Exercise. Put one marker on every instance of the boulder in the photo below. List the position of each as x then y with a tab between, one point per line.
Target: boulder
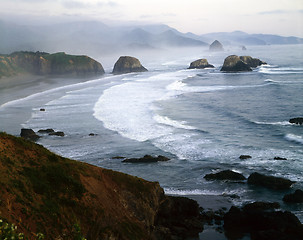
262	222
225	175
276	183
181	216
296	197
126	64
280	158
233	63
49	130
60	134
243	157
252	62
298	120
29	134
147	159
216	46
200	64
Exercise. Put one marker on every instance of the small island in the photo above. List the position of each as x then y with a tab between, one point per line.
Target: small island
127	64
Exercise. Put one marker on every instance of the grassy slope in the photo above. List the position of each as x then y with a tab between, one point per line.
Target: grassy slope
43	192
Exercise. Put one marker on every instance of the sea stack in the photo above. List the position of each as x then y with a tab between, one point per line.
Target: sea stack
200	64
127	64
216	46
234	63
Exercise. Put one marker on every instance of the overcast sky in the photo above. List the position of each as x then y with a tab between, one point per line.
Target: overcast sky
283	17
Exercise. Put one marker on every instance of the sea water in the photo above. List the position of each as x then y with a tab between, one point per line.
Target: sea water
203	119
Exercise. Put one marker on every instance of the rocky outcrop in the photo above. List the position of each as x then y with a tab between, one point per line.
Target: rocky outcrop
216	46
59	134
46	131
126	64
147	159
44	192
243	157
225	175
296	197
276	183
261	221
200	64
252	62
234	63
298	120
29	134
41	63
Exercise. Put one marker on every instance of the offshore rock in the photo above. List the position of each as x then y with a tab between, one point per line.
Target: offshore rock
225	175
276	183
216	46
298	120
29	134
49	130
127	64
147	159
60	134
234	63
296	197
200	64
252	62
243	157
262	222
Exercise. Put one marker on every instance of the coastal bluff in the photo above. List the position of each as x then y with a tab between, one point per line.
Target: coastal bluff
42	63
42	192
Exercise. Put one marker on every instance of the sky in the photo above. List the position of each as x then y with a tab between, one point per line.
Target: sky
282	17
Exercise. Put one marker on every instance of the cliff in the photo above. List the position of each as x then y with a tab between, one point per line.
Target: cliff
40	63
44	193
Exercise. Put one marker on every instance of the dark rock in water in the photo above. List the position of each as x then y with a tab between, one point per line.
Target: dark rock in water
147	159
181	215
276	183
216	46
29	134
296	197
42	109
233	63
252	62
60	134
118	157
280	158
126	64
49	130
298	120
92	134
262	223
243	157
225	175
200	64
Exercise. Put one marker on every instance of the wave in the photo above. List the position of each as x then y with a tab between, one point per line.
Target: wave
282	123
294	138
173	191
176	124
268	69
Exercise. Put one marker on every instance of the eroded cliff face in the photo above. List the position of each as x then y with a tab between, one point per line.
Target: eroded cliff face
43	192
40	63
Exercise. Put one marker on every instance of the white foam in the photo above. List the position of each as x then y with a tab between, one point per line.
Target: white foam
294	138
176	124
173	191
282	123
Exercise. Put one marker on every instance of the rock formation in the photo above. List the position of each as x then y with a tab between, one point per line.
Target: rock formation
276	183
225	175
40	63
298	120
126	64
216	46
233	63
46	193
200	63
296	197
29	134
147	159
252	62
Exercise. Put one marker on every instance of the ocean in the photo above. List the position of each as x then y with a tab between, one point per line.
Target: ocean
202	119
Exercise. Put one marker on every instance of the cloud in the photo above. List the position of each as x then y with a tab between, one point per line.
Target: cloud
280	11
72	4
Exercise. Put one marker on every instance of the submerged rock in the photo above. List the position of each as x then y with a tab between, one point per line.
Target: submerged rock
60	134
216	46
296	197
233	63
280	158
276	183
29	134
49	130
147	159
252	62
243	157
200	64
126	64
225	175
262	222
298	120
